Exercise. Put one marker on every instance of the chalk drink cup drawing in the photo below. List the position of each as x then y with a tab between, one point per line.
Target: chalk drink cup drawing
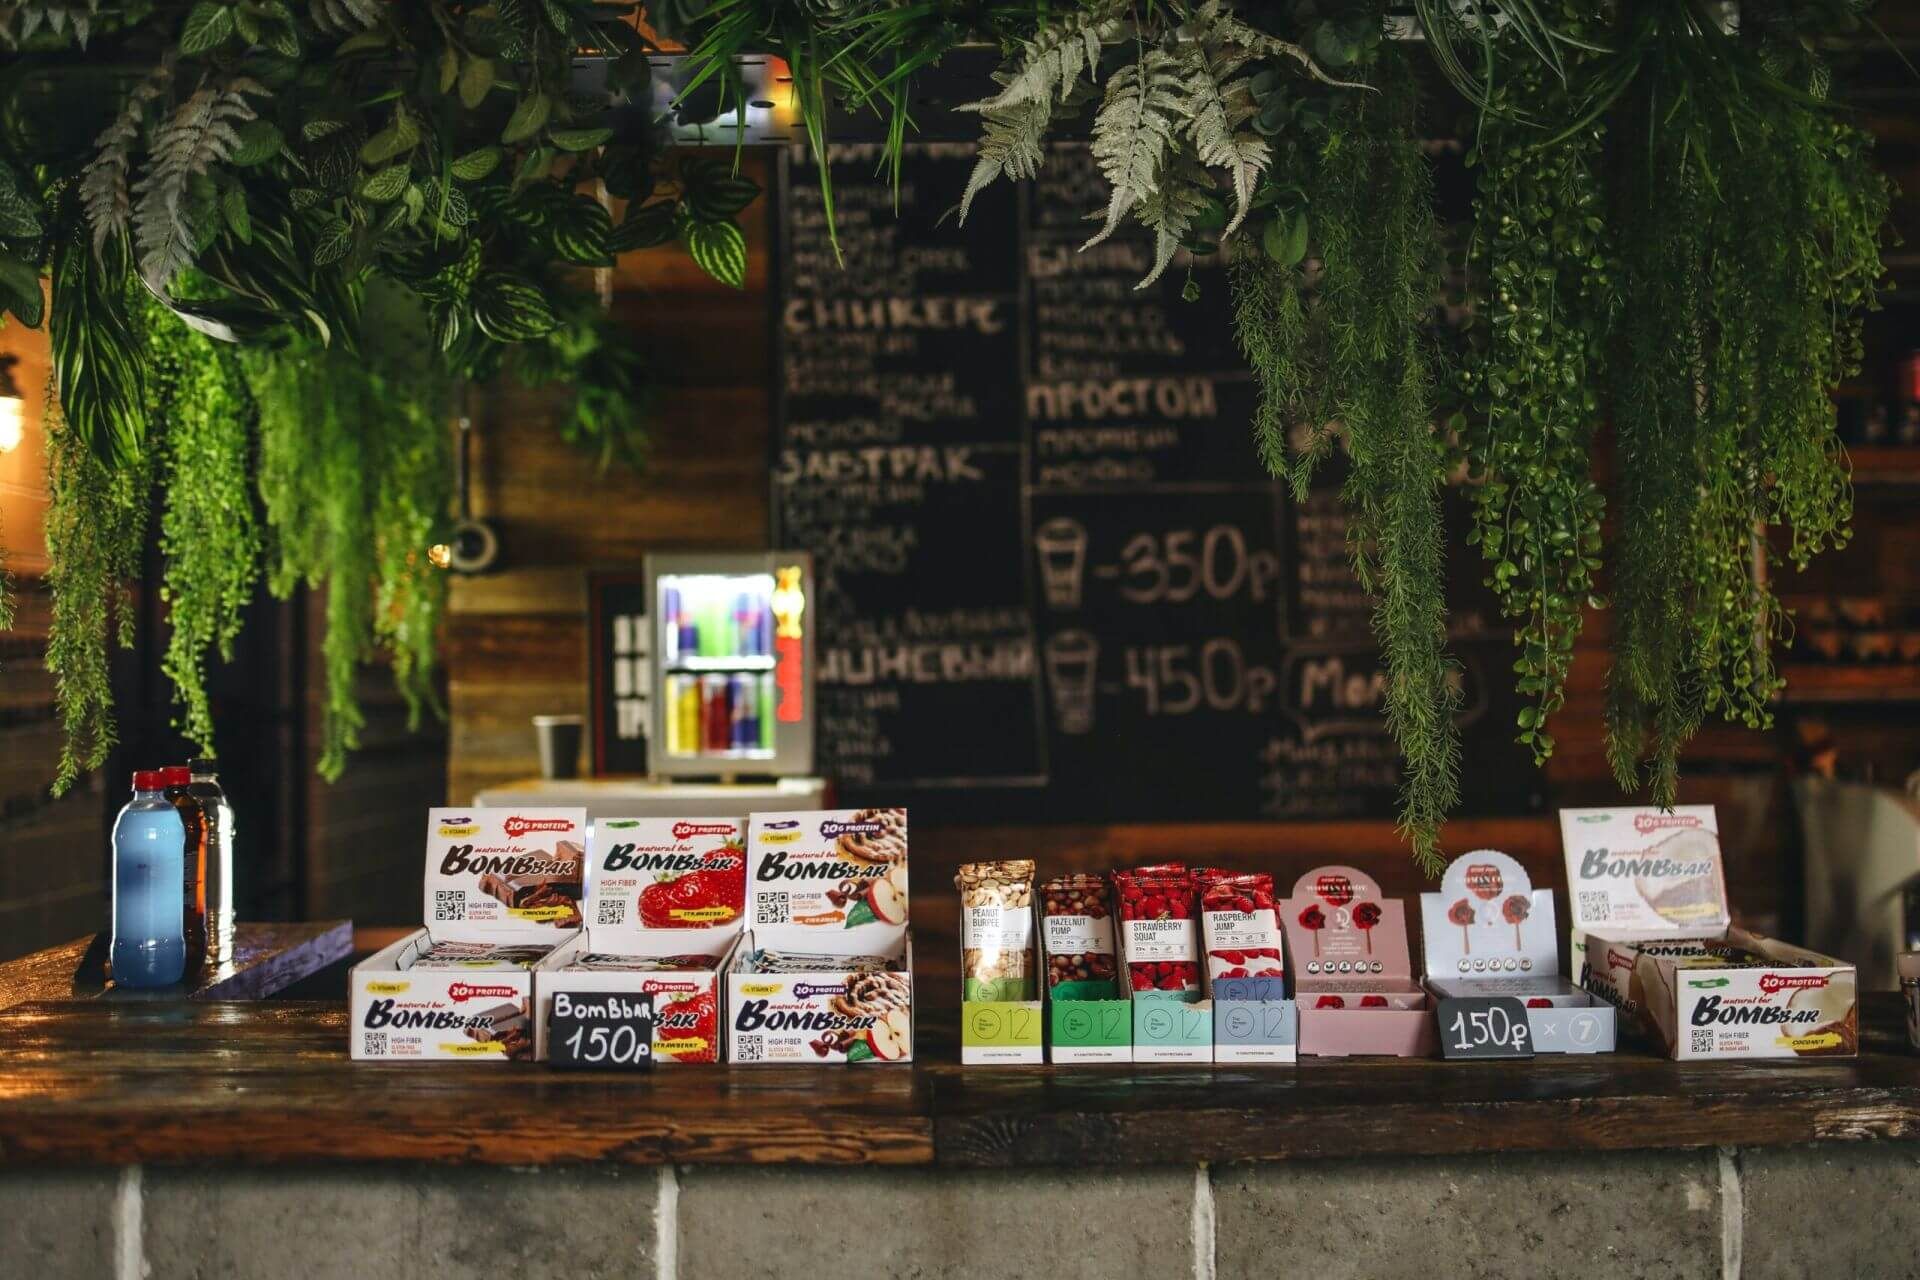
1073	659
1061	545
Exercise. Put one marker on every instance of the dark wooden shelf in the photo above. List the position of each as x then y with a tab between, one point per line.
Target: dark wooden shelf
1875	464
266	958
1812	682
106	1082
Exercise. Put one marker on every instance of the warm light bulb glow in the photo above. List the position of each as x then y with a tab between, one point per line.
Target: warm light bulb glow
13	423
440	555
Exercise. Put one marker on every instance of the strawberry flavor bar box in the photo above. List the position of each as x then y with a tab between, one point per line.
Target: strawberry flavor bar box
665	904
502	889
825	970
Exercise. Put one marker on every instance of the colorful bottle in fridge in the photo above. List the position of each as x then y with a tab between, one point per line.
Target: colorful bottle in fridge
735	679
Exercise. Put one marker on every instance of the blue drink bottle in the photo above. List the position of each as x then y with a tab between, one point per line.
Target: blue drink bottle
149	888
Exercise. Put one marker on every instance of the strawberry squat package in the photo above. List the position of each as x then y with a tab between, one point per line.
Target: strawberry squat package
666	901
825	972
1160	940
503	889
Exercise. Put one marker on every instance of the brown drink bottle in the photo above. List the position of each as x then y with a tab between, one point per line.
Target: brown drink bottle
178	781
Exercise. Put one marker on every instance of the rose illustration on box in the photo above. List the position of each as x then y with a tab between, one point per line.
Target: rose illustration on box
1365	916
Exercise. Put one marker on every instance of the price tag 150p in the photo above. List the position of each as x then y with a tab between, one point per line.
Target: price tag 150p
601	1029
1484	1027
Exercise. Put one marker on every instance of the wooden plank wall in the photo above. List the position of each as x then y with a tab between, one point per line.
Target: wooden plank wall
53	872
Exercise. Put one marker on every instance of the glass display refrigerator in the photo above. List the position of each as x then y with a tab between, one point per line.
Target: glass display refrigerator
734	652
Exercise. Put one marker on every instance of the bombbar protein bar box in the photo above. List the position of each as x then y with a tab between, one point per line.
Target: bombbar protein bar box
825	971
1650	897
666	901
503	889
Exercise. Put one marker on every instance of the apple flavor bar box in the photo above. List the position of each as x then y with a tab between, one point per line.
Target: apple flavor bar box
824	972
1651	906
1489	932
503	889
1352	969
665	904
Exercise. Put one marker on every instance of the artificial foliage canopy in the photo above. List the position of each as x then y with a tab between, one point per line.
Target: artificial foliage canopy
1677	230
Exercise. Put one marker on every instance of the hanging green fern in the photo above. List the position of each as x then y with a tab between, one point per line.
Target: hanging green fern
95	529
203	415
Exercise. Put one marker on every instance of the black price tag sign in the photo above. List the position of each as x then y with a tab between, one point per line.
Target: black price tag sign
1484	1027
604	1029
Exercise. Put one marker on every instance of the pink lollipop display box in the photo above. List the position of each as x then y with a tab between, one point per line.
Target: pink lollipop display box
1489	932
1352	969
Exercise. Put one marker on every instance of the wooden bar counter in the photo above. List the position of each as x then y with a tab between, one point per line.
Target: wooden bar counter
105	1082
197	1138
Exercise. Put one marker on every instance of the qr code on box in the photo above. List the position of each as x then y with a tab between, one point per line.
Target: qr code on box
1703	1041
376	1043
752	1051
772	909
1593	905
612	911
450	904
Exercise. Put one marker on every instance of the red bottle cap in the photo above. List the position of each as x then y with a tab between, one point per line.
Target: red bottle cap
176	775
148	780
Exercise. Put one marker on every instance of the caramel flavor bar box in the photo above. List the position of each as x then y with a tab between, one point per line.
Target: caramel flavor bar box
502	889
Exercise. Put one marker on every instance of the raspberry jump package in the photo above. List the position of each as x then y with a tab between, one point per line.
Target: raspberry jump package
1352	969
1253	1020
1000	1016
666	901
1650	899
824	973
1240	929
1489	932
503	889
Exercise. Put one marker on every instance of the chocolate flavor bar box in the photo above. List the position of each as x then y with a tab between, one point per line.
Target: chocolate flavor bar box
1654	940
503	888
665	905
824	972
1489	932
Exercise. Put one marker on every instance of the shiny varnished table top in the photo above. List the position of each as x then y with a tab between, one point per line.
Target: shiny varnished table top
107	1081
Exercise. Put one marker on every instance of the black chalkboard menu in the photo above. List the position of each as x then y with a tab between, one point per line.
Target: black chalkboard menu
1054	581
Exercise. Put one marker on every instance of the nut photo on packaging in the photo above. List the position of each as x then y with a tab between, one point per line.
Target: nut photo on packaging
996	930
1078	930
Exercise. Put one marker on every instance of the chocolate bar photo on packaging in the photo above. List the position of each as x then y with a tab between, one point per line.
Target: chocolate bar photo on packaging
533	891
506	1025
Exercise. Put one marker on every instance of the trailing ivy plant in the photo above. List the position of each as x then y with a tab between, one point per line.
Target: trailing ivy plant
1675	233
1542	255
